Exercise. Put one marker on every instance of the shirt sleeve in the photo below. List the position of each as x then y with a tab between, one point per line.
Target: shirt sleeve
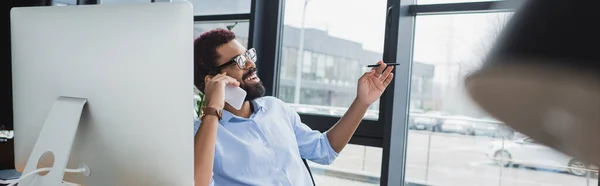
313	145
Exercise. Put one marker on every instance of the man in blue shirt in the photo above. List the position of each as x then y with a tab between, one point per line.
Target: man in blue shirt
263	142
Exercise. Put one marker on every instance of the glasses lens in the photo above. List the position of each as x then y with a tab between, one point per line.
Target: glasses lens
252	54
240	61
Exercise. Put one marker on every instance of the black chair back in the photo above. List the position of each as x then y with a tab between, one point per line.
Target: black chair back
309	172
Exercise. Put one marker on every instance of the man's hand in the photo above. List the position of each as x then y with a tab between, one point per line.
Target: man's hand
370	87
214	89
372	84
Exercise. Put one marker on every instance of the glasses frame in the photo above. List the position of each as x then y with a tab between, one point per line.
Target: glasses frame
240	61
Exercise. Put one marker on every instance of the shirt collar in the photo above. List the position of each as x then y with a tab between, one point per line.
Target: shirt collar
227	116
258	107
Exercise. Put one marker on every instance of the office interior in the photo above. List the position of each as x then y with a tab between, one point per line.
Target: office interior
424	130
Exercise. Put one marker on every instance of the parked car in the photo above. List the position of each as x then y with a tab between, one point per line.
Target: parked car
411	117
458	124
430	120
423	122
486	129
439	119
529	153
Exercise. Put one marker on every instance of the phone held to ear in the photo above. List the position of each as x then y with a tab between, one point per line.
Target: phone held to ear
235	96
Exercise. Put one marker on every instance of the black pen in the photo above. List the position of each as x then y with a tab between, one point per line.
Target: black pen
388	64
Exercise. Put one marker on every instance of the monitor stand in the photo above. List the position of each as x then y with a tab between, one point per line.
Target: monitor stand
57	136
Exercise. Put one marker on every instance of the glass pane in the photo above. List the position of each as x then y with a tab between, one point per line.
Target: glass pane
452	141
241	30
64	2
450	1
333	53
213	7
356	165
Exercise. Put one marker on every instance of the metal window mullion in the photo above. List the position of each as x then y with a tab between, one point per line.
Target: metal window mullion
223	18
266	25
394	112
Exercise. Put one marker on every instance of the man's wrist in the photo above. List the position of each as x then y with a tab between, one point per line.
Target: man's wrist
361	103
209	117
211	111
215	106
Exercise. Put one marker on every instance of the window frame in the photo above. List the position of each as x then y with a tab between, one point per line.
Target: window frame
390	130
401	31
370	132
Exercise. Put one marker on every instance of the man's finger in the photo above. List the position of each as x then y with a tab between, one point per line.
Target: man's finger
387	72
217	77
381	67
388	79
366	74
207	79
226	79
231	81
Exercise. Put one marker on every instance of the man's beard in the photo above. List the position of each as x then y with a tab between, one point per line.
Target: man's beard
253	91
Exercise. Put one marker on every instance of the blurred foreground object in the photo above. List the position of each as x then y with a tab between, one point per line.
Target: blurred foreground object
543	76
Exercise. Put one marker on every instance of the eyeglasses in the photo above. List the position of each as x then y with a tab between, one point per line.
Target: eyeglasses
239	60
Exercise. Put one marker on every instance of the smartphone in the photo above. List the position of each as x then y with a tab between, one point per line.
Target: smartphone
235	96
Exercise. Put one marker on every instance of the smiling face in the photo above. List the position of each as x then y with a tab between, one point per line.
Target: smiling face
233	54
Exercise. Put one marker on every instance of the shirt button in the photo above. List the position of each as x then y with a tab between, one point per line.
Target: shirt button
265	143
277	169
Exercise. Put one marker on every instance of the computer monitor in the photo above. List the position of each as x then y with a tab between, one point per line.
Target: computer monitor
108	86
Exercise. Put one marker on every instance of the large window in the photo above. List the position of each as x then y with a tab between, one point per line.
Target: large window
323	53
453	142
334	50
429	131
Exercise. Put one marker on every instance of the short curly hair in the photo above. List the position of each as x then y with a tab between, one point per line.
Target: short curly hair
206	55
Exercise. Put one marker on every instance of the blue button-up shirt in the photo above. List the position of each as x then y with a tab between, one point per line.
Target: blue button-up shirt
266	148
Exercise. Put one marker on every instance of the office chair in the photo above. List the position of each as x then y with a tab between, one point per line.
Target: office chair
309	172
